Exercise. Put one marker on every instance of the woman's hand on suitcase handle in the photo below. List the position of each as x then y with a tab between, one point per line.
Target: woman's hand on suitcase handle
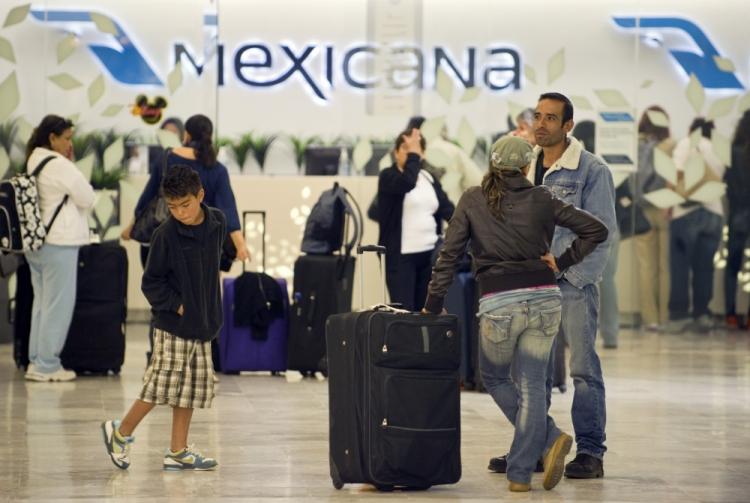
239	243
425	311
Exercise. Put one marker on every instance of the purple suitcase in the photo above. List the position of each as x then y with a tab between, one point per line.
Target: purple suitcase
238	351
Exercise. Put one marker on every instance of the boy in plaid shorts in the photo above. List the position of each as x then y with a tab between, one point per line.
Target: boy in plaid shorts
181	282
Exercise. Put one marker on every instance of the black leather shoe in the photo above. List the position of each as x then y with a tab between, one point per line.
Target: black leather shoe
585	466
500	465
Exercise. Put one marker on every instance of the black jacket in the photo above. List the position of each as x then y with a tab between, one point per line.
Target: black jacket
506	253
258	300
393	185
183	270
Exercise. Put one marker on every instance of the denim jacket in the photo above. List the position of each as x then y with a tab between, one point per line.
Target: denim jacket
584	180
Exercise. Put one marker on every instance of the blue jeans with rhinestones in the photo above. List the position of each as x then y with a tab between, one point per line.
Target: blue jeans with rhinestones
518	328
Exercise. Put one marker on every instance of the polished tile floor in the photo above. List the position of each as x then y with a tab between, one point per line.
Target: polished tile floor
678	428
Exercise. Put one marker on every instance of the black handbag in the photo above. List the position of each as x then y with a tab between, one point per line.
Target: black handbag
631	220
153	216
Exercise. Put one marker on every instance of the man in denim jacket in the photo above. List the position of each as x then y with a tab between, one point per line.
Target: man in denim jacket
580	178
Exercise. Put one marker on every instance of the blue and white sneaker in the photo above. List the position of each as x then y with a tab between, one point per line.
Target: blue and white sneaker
188	459
118	451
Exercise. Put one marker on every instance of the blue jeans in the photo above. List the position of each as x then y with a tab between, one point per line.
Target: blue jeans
520	333
54	270
693	241
610	309
580	310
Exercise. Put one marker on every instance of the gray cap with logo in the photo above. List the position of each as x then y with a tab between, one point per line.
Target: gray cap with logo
511	153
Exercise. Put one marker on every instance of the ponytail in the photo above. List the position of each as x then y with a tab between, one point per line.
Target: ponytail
494	189
201	131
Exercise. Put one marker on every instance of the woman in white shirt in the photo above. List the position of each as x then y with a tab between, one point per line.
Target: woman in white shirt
54	265
694	232
411	208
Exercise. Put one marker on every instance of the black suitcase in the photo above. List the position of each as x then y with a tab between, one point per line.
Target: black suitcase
96	338
394	398
322	287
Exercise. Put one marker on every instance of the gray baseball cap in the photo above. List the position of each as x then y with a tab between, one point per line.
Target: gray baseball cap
511	153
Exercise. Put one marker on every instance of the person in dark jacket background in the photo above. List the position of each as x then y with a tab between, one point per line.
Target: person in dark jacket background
737	178
509	225
181	282
411	208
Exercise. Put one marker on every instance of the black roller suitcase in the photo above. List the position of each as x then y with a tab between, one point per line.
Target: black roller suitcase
96	338
19	314
394	401
322	287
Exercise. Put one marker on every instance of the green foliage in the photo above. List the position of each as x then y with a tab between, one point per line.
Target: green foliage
241	148
260	145
8	134
81	145
101	179
97	142
300	144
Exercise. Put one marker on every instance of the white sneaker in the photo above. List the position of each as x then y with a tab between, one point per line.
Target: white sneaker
118	451
60	375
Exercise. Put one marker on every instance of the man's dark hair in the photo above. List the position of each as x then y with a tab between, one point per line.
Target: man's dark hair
180	181
567	105
705	126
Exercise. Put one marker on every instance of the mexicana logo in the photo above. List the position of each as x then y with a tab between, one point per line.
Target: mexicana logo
116	52
703	65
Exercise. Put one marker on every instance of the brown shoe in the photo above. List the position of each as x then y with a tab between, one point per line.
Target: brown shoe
518	487
554	460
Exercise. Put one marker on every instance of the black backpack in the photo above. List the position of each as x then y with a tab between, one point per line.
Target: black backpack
21	226
326	225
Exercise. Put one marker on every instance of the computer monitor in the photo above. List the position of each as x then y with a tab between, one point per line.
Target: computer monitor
322	161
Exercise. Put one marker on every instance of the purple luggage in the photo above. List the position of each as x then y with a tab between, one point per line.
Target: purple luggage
238	350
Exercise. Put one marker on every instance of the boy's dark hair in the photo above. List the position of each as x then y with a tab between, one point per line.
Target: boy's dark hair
567	104
180	181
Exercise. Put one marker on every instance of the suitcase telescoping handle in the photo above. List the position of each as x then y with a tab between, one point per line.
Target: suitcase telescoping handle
262	215
361	250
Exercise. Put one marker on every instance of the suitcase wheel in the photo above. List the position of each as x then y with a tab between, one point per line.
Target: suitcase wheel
337	484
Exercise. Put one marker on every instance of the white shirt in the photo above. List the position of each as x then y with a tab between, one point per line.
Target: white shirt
681	154
418	227
58	178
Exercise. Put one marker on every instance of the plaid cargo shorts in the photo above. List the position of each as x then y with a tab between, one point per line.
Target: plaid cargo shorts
180	374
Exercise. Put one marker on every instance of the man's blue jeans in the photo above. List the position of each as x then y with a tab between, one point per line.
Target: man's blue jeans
520	333
54	270
580	310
